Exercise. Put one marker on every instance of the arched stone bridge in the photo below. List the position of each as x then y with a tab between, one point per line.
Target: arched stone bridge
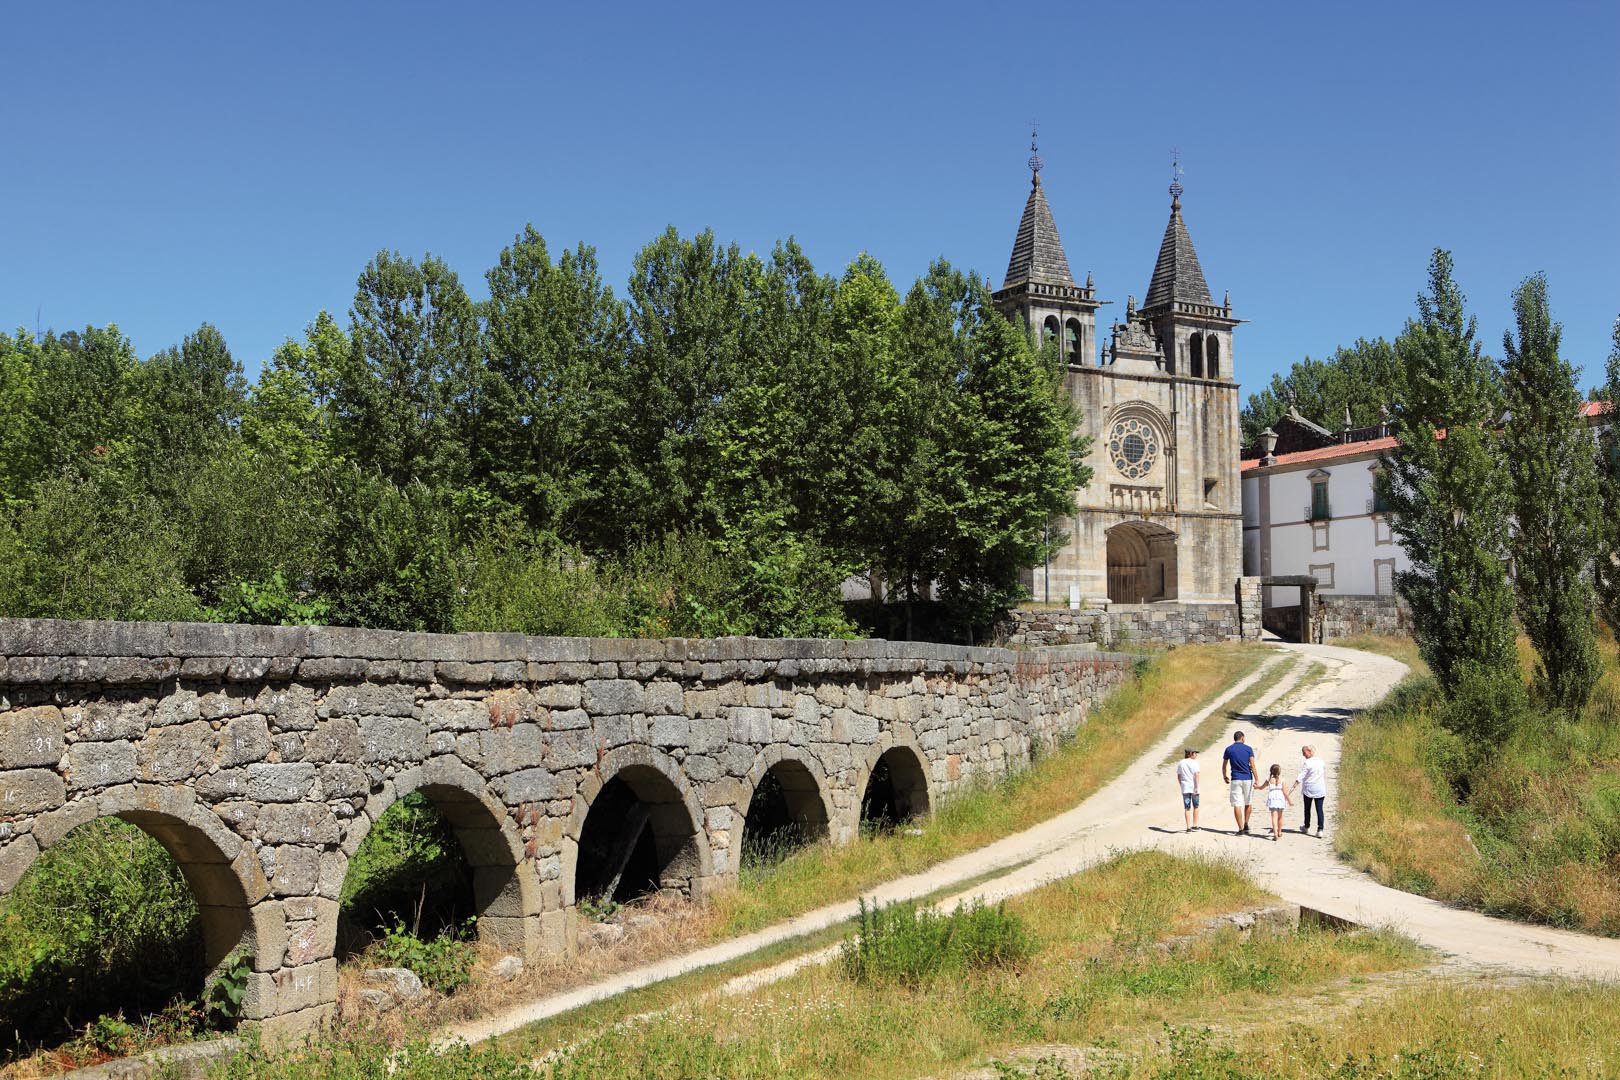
260	757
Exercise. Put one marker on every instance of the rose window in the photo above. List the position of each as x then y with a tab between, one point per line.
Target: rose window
1134	447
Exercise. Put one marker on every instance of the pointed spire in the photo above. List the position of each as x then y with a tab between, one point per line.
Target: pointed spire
1037	253
1177	275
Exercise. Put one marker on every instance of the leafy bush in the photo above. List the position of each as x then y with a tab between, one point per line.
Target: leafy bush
269	602
1486	706
103	920
443	962
911	945
508	581
85	549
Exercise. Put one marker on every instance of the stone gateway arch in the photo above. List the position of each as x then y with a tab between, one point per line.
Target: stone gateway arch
260	758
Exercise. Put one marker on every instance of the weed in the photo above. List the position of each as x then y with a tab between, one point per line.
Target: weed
909	945
443	963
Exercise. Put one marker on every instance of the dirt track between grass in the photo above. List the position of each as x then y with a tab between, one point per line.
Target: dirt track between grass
1141	808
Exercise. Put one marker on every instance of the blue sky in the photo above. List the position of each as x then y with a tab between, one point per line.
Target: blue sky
176	163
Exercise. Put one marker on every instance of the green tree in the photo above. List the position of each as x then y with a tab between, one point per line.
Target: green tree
1448	490
1011	462
186	402
1608	548
1555	502
77	413
403	398
555	343
288	415
1362	378
982	454
17	430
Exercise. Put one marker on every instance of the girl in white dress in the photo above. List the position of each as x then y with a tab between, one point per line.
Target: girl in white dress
1277	799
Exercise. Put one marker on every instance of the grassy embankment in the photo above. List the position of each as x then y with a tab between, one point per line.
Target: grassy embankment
1530	830
1094	980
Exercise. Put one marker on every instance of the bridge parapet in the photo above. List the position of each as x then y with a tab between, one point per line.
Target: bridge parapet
261	756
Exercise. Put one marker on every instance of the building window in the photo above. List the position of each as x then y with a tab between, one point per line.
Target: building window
1382	533
1323	573
1319	536
1195	356
1384	577
1210	484
1212	357
1319	509
1050	329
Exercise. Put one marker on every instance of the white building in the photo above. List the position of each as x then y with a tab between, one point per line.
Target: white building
1309	509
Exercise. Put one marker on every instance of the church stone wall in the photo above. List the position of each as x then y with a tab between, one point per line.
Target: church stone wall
261	756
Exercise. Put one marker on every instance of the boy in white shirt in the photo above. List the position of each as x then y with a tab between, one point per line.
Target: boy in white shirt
1187	779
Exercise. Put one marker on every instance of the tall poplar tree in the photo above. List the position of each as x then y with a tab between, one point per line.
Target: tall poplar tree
1448	491
1555	502
1608	554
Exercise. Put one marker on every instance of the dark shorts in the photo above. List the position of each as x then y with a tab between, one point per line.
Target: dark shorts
1189	802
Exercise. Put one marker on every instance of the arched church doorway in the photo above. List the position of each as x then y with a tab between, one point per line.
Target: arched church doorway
1141	563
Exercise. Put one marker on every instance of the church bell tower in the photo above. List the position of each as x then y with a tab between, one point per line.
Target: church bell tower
1039	291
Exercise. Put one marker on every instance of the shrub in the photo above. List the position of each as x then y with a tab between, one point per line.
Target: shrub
910	945
85	549
443	962
1486	705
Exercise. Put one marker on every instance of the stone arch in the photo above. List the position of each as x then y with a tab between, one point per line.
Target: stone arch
899	751
1141	563
1071	341
222	872
1212	357
804	788
1195	355
672	813
1049	329
506	893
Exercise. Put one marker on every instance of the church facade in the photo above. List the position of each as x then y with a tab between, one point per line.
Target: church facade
1162	518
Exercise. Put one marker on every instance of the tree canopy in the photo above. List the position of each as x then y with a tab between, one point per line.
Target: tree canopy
716	451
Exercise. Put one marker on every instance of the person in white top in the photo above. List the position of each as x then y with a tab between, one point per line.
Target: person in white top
1312	784
1187	779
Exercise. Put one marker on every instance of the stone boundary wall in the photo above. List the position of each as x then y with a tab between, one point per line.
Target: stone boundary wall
261	756
1340	615
1162	623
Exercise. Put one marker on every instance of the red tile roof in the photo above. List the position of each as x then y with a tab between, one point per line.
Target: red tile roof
1589	409
1325	453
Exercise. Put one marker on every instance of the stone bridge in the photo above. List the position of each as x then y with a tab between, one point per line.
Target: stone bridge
260	757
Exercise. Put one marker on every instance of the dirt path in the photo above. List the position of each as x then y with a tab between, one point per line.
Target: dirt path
1141	809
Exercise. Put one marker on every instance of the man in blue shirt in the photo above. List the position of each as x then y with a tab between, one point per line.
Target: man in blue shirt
1237	769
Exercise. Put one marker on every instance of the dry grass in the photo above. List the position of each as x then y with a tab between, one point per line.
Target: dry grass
1098	969
1448	1029
1398	646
